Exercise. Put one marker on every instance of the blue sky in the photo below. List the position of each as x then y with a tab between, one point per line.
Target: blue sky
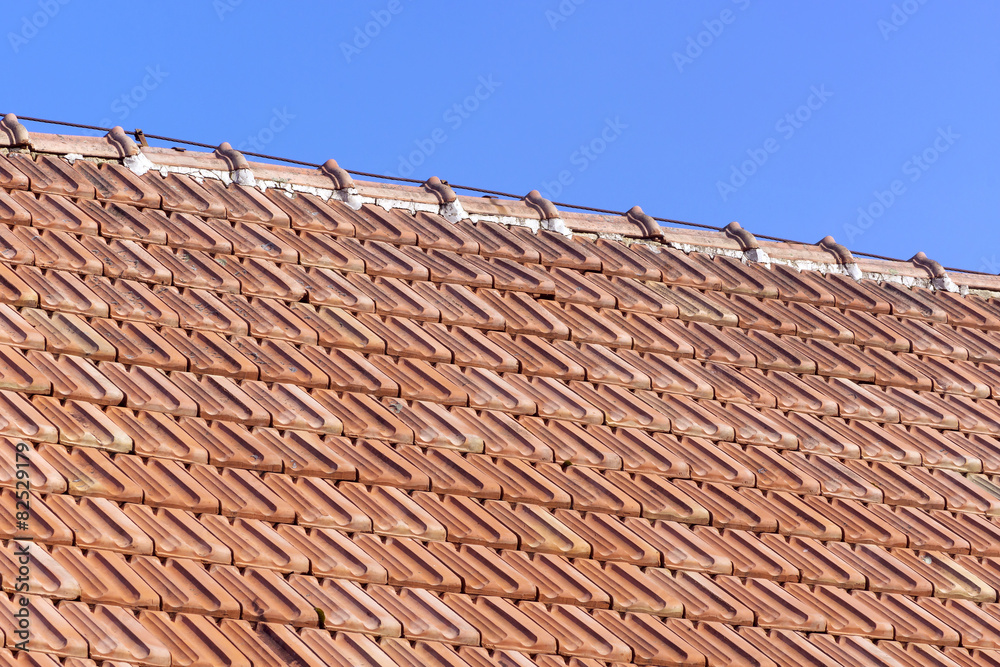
875	122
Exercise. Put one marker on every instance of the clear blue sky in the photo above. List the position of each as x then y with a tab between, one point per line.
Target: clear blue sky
788	117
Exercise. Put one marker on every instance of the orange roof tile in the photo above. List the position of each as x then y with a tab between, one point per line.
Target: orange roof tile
318	420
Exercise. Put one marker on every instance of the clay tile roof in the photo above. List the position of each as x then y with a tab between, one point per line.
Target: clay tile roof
277	415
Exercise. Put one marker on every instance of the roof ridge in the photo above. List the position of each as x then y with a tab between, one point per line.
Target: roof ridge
437	195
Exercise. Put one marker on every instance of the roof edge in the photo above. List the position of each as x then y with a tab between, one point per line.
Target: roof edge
330	181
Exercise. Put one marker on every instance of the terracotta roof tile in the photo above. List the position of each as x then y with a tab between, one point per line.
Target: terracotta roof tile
11	177
522	315
497	241
15	290
703	600
409	563
913	623
785	647
711	343
556	250
691	418
48	577
345	649
501	624
574	287
639	452
318	503
91	472
466	521
399	337
750	556
138	343
609	539
58	250
115	634
450	473
18	372
950	580
815	562
375	223
58	635
242	494
858	525
538	530
708	461
185	586
557	579
13	211
963	657
977	627
522	416
977	343
678	268
392	512
922	531
346	606
264	596
680	547
590	490
19	419
587	325
44	525
578	634
449	268
618	260
773	606
965	311
13	248
417	653
63	291
55	213
106	577
649	335
979	531
269	643
424	616
847	649
192	639
845	613
509	275
181	193
306	211
332	554
660	498
437	426
42	475
483	572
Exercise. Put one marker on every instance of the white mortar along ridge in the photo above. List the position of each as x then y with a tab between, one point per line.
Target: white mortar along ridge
453	212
